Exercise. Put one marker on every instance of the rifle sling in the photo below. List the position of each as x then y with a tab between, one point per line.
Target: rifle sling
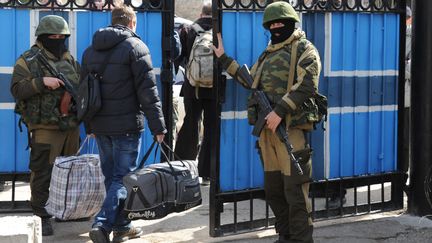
259	68
293	65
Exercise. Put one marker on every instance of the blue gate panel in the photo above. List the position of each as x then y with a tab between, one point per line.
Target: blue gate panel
362	91
313	24
359	54
366	148
364	41
5	95
87	24
15	30
7	140
240	166
149	28
13	142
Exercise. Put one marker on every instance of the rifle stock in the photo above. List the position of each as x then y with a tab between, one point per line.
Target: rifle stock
264	109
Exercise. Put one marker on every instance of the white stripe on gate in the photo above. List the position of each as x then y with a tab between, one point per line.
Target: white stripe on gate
6	70
7	106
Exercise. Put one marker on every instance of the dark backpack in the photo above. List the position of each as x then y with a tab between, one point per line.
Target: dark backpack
89	96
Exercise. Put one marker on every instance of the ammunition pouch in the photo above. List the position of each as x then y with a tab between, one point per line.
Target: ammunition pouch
303	156
311	112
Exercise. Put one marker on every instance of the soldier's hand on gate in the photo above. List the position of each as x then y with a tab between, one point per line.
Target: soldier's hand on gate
273	121
52	83
219	51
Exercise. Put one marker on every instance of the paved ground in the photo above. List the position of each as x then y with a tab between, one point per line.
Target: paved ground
192	226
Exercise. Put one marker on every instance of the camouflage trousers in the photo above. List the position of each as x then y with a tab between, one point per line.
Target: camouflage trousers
286	191
46	145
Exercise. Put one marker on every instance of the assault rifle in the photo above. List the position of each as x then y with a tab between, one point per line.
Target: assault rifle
67	84
264	109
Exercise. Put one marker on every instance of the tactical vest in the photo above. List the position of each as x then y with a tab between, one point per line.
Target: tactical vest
273	69
43	108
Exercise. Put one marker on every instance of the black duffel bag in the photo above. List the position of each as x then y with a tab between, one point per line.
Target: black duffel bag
160	189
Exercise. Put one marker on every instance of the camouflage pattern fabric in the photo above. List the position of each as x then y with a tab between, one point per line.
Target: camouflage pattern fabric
272	71
38	105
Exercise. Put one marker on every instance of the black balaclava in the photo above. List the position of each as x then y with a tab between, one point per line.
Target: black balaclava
56	46
284	32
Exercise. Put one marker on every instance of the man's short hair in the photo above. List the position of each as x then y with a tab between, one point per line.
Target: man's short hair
122	15
206	9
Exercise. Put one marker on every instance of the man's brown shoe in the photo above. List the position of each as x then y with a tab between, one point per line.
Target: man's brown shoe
121	236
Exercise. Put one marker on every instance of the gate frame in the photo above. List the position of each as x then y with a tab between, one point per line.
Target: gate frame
397	178
166	7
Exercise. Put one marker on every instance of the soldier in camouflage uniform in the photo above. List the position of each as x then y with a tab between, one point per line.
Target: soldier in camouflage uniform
45	107
289	56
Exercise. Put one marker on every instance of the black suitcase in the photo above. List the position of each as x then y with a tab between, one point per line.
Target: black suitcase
159	189
184	174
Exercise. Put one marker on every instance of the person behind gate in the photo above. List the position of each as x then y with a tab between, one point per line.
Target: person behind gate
289	53
46	108
128	91
197	96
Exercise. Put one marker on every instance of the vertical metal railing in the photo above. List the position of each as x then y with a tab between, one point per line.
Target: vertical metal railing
368	193
166	7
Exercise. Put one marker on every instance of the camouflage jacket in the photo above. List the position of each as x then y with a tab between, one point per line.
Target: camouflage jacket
38	105
272	71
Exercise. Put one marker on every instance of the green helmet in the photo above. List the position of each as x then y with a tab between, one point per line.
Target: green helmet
53	25
279	10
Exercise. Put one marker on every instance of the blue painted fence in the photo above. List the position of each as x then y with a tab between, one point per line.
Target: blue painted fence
20	36
359	53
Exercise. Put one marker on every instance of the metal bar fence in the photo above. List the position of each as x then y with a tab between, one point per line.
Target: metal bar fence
369	193
165	7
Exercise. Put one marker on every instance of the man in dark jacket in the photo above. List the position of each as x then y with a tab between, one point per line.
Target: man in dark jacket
196	100
128	89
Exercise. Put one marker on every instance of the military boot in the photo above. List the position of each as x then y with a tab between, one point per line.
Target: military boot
47	227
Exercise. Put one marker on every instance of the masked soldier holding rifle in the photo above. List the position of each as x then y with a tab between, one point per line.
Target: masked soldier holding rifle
43	82
287	75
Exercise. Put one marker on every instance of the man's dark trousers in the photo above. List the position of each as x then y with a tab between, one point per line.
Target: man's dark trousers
187	141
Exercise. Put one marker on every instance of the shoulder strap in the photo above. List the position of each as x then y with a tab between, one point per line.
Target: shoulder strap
104	64
293	65
259	68
197	28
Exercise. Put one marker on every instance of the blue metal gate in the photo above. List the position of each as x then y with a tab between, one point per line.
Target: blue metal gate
359	45
23	18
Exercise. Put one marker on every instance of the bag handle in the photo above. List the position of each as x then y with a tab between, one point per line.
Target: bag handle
147	154
105	63
172	151
86	141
